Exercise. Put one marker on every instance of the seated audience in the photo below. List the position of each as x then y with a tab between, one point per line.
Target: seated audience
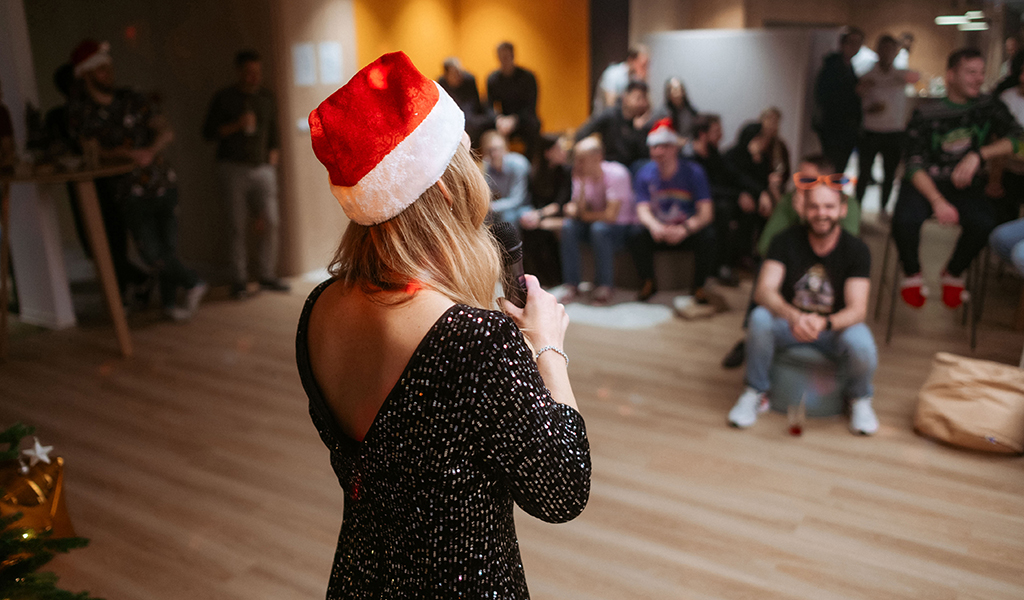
508	175
623	128
617	76
512	96
550	190
727	183
461	86
790	211
948	140
762	156
677	107
884	100
813	289
673	203
601	212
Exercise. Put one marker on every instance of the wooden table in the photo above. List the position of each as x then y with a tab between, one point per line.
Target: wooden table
93	221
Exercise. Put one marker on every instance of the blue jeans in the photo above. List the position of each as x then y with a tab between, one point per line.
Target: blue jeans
853	348
606	238
1007	241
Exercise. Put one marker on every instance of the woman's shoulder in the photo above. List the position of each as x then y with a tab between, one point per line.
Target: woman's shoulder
484	321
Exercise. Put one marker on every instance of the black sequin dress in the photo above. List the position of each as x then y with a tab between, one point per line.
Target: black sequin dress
468	429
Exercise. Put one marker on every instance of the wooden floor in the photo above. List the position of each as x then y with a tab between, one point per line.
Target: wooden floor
196	472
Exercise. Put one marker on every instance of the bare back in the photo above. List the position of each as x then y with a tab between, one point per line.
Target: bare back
359	348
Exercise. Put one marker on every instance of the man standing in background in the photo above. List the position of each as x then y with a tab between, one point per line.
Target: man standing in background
837	105
512	93
617	76
242	119
885	118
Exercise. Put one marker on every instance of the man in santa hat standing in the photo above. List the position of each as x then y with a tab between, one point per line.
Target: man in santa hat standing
127	127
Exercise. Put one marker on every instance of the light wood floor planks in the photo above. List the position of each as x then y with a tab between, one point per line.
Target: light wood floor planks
196	472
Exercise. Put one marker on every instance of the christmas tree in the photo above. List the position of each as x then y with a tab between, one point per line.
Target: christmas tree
24	551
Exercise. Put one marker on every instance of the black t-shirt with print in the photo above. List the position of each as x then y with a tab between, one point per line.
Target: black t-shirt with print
816	283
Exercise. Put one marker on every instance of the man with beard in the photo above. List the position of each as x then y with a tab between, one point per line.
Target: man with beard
948	141
242	119
127	126
813	289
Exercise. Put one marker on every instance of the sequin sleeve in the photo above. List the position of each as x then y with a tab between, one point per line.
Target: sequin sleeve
539	446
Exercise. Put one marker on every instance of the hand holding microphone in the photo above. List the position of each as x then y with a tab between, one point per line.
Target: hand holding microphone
538	314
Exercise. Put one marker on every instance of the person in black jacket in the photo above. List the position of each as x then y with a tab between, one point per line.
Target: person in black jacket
461	86
727	184
837	106
512	95
623	128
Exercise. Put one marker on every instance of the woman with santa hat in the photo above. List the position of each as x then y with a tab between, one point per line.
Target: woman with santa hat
438	411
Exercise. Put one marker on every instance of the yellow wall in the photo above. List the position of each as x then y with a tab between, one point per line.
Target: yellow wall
551	39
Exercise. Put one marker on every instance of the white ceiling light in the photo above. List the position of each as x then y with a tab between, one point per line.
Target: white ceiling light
971	20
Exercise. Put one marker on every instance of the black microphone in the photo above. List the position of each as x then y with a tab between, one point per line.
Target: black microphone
515	278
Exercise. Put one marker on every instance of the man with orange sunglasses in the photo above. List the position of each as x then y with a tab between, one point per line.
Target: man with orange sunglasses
813	289
948	141
814	169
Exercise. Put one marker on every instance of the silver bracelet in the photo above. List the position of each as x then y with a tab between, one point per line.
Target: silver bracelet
558	350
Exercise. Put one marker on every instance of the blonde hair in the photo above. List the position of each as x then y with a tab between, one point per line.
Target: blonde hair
435	242
589	144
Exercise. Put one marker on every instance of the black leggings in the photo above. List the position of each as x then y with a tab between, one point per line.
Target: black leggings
977	220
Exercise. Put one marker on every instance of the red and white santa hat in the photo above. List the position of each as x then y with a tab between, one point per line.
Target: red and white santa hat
662	133
88	55
385	137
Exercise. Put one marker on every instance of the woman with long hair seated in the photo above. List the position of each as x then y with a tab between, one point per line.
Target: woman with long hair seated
438	411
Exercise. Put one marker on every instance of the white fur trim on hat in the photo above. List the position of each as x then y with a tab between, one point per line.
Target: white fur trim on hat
100	57
662	135
416	163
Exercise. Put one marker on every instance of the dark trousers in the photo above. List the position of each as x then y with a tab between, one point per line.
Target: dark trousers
977	220
701	243
727	244
542	256
890	145
837	146
528	131
1008	207
109	192
154	226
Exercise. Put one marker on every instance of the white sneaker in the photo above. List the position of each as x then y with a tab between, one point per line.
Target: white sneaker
862	417
194	296
750	404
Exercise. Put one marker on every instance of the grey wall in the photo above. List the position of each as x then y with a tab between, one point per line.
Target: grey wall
183	50
738	73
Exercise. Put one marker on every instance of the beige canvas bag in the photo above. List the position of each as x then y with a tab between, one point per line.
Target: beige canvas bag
973	403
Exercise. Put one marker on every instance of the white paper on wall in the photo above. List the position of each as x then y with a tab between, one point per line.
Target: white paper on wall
304	64
330	63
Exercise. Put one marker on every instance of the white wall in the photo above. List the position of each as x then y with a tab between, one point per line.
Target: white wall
739	72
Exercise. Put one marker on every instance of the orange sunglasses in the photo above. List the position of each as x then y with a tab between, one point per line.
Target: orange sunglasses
836	181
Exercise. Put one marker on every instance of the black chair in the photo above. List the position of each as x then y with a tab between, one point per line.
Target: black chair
976	279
